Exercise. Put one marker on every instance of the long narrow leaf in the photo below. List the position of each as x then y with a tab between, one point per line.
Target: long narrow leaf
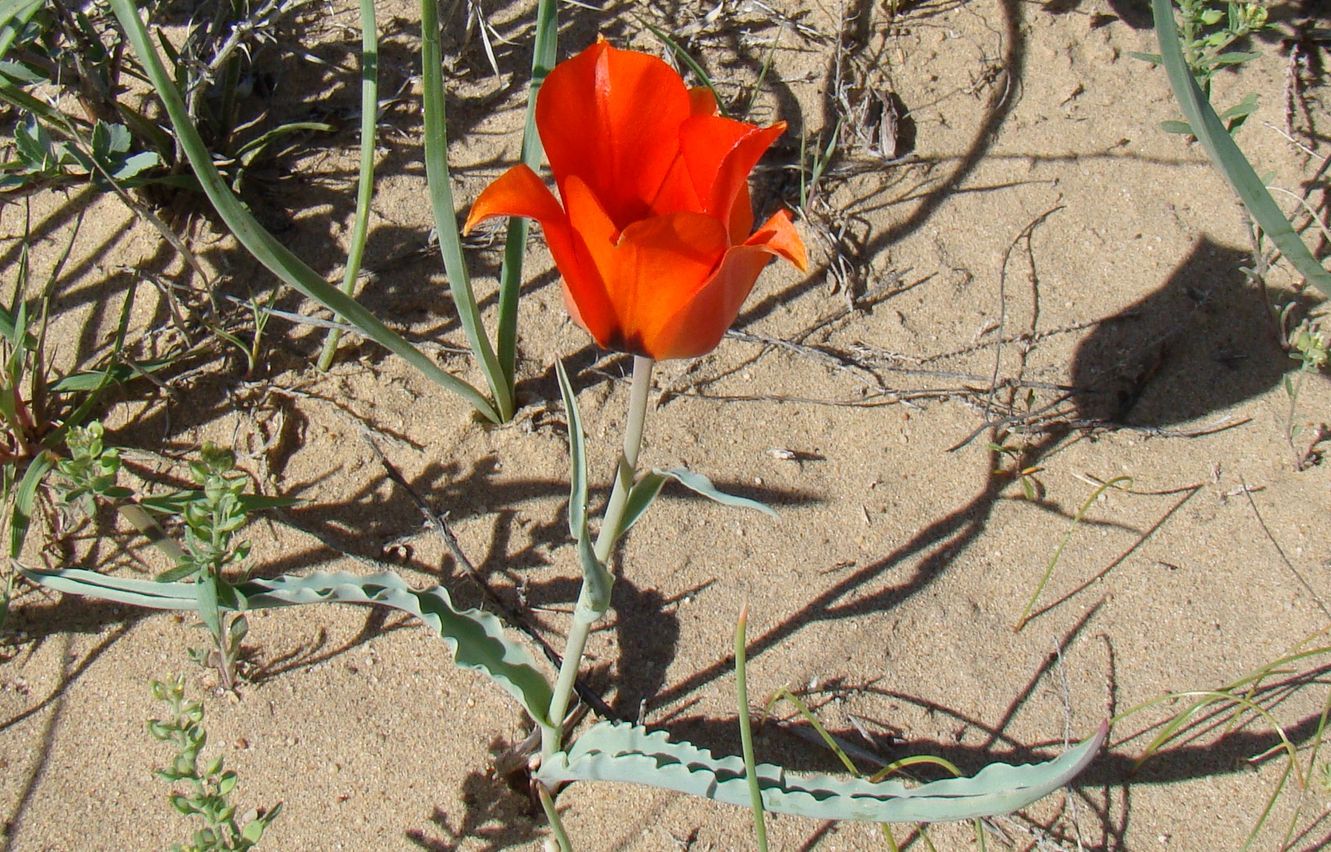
699	484
369	122
476	638
25	501
544	51
1226	156
616	751
265	248
597	580
14	16
445	214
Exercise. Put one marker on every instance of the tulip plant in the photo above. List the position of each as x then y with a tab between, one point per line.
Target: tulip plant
653	234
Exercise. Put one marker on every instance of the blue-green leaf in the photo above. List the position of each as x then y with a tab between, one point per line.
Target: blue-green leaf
700	484
476	638
597	581
25	500
577	455
616	751
642	494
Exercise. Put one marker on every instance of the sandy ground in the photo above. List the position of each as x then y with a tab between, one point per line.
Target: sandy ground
1040	258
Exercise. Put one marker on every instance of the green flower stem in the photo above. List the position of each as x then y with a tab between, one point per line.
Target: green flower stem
628	462
584	614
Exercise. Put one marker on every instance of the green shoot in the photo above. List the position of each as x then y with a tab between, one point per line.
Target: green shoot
746	730
207	787
1116	482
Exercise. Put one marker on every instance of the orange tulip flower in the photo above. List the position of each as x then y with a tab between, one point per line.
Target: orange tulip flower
653	234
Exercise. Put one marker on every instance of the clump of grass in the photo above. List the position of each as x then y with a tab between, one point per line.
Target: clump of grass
1252	698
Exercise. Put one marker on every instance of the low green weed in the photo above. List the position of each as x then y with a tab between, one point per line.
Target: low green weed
209	552
207	787
1207	31
1309	344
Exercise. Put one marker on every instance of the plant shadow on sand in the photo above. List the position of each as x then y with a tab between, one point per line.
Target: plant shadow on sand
1199	345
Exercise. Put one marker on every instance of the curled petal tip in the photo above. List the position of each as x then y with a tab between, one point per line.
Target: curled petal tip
517	192
778	236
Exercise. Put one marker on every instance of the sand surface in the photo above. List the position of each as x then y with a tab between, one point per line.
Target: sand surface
1038	265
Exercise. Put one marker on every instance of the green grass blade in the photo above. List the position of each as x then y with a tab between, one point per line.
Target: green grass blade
445	214
369	122
265	248
25	501
746	731
543	57
1063	543
14	15
1226	156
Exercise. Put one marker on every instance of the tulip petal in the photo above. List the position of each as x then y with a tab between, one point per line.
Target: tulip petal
517	192
733	172
704	140
779	237
659	266
741	214
720	154
699	323
592	239
702	101
611	117
677	192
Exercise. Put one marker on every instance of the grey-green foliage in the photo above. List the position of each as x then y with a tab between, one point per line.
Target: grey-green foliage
615	751
212	518
1309	344
476	637
202	789
91	469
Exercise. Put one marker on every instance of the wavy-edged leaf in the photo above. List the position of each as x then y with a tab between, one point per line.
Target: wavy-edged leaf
1226	156
617	751
475	637
699	484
